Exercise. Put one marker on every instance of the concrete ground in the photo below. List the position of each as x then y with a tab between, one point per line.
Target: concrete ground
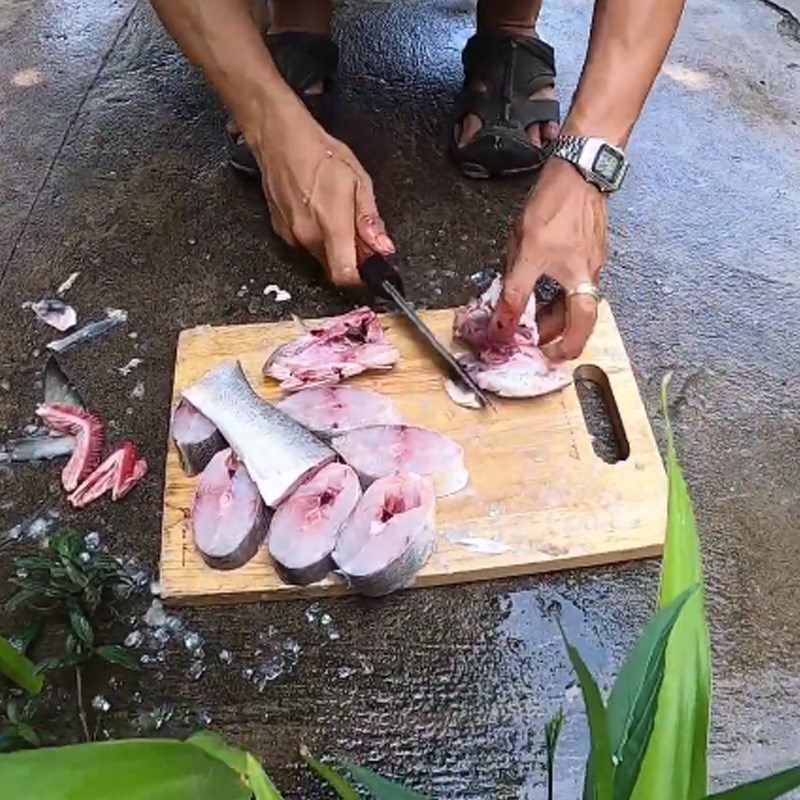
112	165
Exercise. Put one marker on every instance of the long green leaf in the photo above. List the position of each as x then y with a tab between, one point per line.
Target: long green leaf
765	789
379	787
216	746
334	779
143	769
675	766
18	668
259	782
598	784
633	701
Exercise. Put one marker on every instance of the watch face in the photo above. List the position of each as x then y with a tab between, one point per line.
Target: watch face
608	164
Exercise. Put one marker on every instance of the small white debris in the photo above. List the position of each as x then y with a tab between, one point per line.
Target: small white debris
281	295
325	619
131	365
243	290
196	670
346	672
312	612
134	639
460	395
192	641
92	540
155	588
226	657
85	557
480	544
99	703
68	283
55	313
155	616
138	391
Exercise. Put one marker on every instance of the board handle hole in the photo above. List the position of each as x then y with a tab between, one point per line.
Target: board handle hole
601	414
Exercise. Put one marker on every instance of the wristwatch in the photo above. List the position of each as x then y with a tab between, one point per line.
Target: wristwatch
598	161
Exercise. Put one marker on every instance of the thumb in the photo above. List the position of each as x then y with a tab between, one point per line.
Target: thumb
369	225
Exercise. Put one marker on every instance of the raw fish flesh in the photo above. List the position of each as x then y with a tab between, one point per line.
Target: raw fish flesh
304	529
279	453
87	431
390	535
332	351
330	410
229	518
55	313
382	450
518	369
119	473
195	436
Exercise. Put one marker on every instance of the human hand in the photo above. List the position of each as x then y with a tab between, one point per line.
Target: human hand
561	233
319	196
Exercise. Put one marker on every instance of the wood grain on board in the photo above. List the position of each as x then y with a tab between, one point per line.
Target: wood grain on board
538	497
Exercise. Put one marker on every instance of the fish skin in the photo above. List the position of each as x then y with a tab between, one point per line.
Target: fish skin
331	351
90	331
518	369
376	568
298	560
381	450
55	313
58	388
279	453
333	410
196	438
224	487
36	448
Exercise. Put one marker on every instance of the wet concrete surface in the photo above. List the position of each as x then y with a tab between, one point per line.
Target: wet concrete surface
112	165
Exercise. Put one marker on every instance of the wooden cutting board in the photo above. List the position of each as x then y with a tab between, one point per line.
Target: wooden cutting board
538	499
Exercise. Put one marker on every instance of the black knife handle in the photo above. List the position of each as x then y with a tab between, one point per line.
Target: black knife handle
374	270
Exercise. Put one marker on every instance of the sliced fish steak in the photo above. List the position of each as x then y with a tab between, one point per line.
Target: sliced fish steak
278	452
229	517
381	450
196	437
305	527
331	410
390	535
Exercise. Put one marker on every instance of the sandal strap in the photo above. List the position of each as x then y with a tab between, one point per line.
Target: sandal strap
511	69
304	59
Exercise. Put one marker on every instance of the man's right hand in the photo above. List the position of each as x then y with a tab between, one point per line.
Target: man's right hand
319	196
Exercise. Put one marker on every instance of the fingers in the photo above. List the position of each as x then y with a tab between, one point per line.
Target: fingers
551	319
339	230
369	225
522	272
581	315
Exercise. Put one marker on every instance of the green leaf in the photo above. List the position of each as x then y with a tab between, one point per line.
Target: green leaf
259	782
116	654
47	664
379	787
765	789
81	626
216	746
26	637
143	769
675	765
552	732
18	668
334	779
633	701
598	785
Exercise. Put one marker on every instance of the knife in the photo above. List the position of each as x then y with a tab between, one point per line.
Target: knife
385	280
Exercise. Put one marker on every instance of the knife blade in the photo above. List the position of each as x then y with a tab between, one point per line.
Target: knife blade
384	280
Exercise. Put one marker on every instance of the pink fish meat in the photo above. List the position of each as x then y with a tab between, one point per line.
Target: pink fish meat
332	351
331	410
229	517
196	437
518	369
87	431
118	473
381	450
390	535
305	527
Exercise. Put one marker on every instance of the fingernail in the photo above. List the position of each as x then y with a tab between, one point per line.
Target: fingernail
384	243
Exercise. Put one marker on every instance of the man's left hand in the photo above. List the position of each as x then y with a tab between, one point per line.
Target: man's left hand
561	233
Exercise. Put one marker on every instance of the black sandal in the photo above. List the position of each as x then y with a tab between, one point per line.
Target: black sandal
303	60
511	69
